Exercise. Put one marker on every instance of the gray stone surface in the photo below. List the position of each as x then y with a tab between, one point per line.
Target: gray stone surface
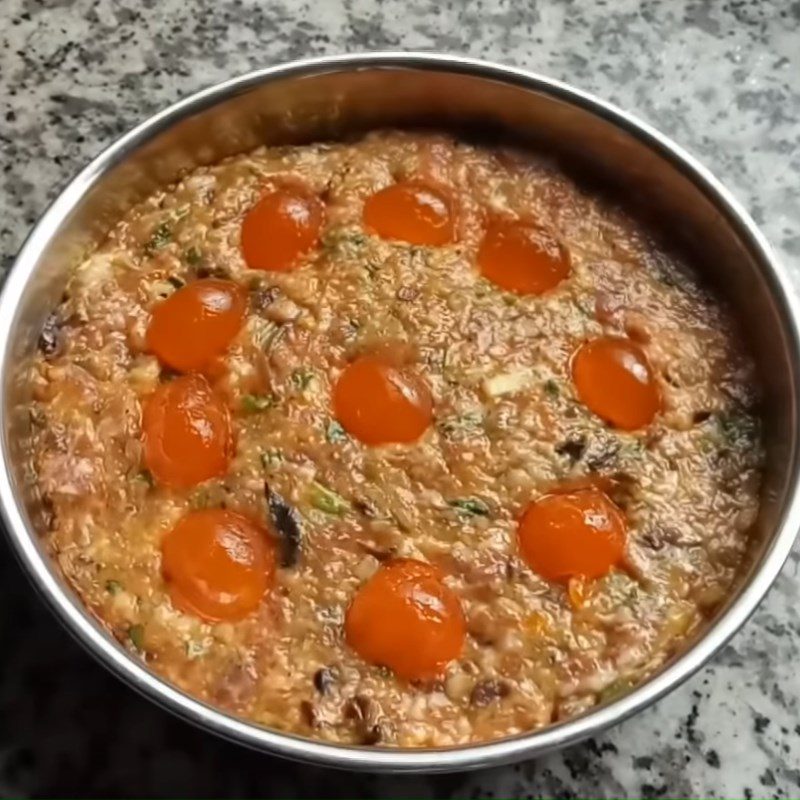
723	78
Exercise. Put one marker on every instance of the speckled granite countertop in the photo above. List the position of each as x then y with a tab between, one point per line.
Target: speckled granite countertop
722	78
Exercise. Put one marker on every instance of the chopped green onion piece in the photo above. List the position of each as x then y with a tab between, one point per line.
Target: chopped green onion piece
737	428
460	425
253	403
342	238
113	587
271	458
335	433
327	500
136	635
471	505
616	689
160	237
195	649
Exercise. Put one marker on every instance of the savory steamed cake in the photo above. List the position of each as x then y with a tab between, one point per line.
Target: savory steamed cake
400	441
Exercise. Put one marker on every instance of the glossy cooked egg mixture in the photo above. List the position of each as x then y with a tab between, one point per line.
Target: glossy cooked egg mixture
400	441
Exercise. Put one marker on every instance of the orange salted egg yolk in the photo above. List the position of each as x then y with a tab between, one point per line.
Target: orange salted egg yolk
380	403
196	323
411	212
615	380
218	564
573	534
405	618
282	226
187	432
522	258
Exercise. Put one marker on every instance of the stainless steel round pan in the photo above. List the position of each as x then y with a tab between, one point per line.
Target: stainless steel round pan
332	97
